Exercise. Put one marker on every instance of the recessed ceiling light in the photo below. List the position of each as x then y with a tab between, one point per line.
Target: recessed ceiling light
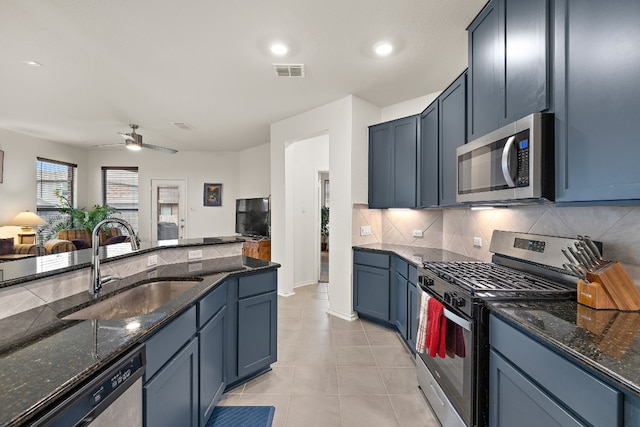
383	48
33	63
279	49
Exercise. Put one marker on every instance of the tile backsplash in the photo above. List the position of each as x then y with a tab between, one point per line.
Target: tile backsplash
454	229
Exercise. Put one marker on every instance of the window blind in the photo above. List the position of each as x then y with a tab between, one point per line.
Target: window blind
120	191
52	175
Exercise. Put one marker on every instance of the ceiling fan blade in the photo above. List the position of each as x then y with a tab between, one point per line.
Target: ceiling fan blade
157	147
126	136
108	145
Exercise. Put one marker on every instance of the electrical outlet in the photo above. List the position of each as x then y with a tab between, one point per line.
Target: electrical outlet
152	260
417	233
365	230
197	254
477	241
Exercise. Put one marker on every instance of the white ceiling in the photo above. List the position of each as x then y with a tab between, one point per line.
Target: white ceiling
108	63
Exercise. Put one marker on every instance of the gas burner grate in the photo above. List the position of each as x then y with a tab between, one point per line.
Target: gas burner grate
481	277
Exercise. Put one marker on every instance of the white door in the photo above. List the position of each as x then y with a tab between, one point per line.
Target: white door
168	209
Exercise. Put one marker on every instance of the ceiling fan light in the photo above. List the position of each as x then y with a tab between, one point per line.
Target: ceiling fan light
133	145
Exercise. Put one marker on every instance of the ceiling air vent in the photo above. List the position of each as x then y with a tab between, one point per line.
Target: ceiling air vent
289	70
182	125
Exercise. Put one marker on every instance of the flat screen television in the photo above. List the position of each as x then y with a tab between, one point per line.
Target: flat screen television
253	217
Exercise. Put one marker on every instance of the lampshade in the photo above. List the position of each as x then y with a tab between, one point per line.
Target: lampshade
26	219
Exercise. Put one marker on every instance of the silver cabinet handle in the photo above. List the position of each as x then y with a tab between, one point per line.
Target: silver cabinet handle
505	161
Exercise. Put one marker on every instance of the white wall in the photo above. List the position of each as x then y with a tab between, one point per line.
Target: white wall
407	108
305	159
197	167
243	174
340	120
254	172
18	189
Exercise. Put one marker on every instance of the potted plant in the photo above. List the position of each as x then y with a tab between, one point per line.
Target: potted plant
74	218
324	228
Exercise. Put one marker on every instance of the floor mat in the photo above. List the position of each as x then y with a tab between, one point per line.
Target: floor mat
242	416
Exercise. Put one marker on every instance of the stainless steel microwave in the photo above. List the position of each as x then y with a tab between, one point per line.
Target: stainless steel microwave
514	164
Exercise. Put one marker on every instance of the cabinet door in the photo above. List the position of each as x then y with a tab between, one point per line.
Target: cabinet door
380	166
516	401
597	101
371	293
413	316
428	156
171	397
485	52
453	116
523	67
257	333
404	136
231	342
212	339
401	305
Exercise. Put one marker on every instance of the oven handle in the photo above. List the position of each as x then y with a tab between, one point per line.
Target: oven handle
465	324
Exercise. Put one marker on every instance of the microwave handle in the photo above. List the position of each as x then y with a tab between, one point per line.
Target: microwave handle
505	161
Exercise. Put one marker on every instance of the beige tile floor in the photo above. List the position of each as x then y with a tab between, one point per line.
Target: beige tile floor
331	372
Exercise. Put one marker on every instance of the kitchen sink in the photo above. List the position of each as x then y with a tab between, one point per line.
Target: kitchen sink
136	301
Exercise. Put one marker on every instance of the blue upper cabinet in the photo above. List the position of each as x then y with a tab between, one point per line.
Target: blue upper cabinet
508	64
428	156
442	130
392	164
597	101
452	134
484	79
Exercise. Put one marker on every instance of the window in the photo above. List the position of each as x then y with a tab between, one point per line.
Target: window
52	175
120	191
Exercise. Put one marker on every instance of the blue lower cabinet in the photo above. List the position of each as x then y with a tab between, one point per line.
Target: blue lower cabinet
401	305
211	339
372	292
171	396
413	315
257	333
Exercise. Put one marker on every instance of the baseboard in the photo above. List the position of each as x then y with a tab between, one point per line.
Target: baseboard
286	294
350	318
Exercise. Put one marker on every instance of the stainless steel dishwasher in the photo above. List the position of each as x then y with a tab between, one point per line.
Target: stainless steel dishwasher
112	392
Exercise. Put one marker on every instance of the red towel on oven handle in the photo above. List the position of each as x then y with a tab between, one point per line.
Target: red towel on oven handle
436	329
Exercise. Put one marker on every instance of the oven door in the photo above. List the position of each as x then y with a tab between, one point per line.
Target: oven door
455	372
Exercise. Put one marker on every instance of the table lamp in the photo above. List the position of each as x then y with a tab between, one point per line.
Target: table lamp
27	220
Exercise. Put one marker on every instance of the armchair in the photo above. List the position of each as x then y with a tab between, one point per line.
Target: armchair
7	247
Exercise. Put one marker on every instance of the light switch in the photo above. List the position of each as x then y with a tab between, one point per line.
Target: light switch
365	230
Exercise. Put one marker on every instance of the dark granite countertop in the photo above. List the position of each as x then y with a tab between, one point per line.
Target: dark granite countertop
42	357
27	269
415	254
606	342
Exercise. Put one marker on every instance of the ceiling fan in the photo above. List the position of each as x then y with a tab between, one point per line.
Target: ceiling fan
133	141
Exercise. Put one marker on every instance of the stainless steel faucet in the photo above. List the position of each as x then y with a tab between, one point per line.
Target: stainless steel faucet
95	287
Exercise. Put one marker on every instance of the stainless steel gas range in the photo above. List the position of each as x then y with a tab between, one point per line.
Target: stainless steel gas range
524	266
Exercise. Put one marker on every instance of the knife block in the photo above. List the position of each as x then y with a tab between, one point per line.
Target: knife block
593	294
611	287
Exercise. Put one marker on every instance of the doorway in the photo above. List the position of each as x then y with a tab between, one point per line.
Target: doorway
168	209
323	180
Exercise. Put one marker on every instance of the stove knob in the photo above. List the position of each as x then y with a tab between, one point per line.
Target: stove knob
458	302
447	297
426	281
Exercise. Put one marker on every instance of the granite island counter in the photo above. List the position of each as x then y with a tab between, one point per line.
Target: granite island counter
43	358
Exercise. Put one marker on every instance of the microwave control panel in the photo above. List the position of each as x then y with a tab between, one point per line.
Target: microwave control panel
522	148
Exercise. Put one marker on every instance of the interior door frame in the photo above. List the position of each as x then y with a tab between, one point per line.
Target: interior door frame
181	183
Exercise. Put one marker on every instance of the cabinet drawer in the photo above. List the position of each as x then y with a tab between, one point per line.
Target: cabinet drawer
402	267
372	259
165	343
257	284
211	304
596	402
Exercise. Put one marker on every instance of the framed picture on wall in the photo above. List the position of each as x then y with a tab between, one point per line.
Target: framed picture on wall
212	195
1	165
